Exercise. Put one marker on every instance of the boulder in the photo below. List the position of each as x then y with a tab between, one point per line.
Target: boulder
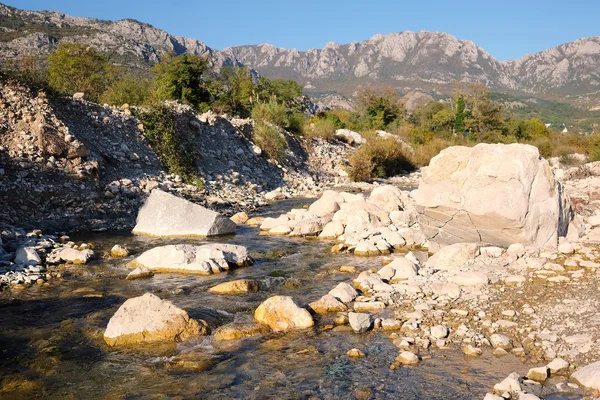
493	194
361	216
240	286
147	319
239	218
27	256
399	269
328	204
70	256
308	227
388	198
407	358
280	313
204	260
327	304
344	292
118	251
350	137
452	256
166	215
588	376
360	322
332	230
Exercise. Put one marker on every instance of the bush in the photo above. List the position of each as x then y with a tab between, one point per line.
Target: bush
271	112
127	90
269	139
180	78
159	129
544	145
295	123
424	153
77	67
322	127
379	157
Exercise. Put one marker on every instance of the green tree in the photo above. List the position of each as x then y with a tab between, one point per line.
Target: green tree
459	120
180	78
379	108
128	89
75	67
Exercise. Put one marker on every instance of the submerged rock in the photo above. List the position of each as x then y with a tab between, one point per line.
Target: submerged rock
237	330
204	260
280	313
119	251
147	319
140	273
166	215
240	286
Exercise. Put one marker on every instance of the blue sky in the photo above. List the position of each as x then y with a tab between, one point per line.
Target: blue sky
507	29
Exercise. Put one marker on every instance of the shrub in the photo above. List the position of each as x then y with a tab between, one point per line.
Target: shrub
268	138
271	112
159	129
77	67
424	153
544	145
128	89
295	123
379	157
322	127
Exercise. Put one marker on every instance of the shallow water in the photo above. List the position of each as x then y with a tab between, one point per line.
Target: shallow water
51	342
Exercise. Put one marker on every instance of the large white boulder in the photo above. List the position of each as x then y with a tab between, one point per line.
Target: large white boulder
148	318
328	204
588	376
204	260
491	193
280	313
166	215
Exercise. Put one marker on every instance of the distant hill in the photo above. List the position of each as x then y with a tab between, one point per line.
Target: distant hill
409	61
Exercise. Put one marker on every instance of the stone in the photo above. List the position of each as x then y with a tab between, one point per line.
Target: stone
588	376
368	306
328	204
307	227
558	366
491	193
344	292
388	198
501	341
274	195
450	257
327	304
355	353
566	248
407	358
360	322
491	396
280	313
390	324
27	256
400	269
539	374
70	256
240	286
280	230
509	384
365	249
237	330
439	332
471	278
350	137
348	268
239	218
204	260
472	351
166	215
118	251
332	230
148	319
140	273
515	279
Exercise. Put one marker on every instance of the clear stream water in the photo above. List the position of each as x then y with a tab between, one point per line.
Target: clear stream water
51	342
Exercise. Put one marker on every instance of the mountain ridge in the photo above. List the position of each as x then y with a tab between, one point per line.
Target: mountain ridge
426	61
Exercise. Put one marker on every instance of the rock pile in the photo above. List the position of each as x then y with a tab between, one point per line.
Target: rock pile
367	226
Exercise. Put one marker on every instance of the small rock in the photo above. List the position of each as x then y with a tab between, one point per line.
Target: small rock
407	358
355	353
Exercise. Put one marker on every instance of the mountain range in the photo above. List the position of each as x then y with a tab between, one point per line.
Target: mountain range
408	61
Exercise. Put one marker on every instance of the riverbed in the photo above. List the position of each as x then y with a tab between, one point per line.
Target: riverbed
51	336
